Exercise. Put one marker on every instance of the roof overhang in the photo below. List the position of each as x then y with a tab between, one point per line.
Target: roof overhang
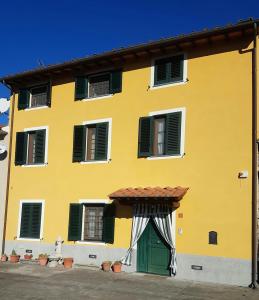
119	56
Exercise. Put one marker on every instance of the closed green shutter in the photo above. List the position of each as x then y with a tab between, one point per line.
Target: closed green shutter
75	222
21	148
31	220
176	68
79	143
101	143
40	146
49	94
116	82
23	99
108	223
145	137
173	133
161	71
81	88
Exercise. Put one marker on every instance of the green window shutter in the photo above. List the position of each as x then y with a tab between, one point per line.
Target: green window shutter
145	137
101	143
161	71
49	94
23	99
79	143
21	148
81	88
108	223
75	222
173	133
176	68
116	82
40	146
31	220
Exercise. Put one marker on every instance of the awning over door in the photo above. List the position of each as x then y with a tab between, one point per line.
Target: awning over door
149	194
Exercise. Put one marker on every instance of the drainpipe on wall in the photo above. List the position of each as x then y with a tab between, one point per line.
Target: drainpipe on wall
9	164
254	160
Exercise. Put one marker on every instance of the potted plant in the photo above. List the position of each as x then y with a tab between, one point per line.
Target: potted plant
43	259
106	266
4	257
28	256
116	267
14	258
68	262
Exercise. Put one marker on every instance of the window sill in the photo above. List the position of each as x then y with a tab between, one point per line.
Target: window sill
28	239
36	108
34	165
95	162
97	98
154	87
165	157
91	243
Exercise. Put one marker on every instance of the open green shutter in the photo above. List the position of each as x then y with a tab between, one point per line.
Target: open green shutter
21	148
75	222
173	133
81	88
101	142
79	143
23	99
40	146
116	82
108	223
31	220
145	137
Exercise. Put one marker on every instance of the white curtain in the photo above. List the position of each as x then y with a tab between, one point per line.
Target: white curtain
139	223
161	214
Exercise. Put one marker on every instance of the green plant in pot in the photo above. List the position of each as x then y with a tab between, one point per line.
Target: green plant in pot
14	257
43	259
106	265
116	267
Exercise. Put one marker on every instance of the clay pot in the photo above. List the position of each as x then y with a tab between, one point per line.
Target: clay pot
43	261
116	268
68	262
14	258
106	266
4	258
27	256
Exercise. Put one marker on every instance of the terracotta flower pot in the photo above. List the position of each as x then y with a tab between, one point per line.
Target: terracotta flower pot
68	262
43	261
4	258
106	266
27	256
116	268
14	258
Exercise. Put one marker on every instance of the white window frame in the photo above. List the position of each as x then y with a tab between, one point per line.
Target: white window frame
183	121
20	219
46	146
91	201
92	122
97	97
36	107
152	78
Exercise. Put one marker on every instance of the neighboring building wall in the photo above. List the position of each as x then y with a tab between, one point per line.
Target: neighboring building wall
217	99
3	182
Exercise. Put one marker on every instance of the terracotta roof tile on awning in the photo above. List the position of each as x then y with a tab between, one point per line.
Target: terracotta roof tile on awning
157	192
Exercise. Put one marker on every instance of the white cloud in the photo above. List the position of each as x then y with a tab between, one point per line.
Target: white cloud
4	105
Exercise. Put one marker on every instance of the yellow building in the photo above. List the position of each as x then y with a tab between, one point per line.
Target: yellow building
148	148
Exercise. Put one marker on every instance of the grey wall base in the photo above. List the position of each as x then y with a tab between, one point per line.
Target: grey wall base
214	269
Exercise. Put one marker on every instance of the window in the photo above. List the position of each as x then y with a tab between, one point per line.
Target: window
91	222
92	142
30	147
169	70
98	85
161	135
33	97
30	222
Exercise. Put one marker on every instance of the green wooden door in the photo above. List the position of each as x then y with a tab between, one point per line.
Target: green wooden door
153	254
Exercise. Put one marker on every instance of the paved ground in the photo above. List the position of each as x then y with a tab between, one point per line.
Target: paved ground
19	281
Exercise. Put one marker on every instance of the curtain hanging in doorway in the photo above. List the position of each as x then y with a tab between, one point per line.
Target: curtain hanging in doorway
161	214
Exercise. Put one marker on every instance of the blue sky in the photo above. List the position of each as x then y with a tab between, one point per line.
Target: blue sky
56	31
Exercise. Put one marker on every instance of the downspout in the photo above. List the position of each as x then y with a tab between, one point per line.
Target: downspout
9	163
254	160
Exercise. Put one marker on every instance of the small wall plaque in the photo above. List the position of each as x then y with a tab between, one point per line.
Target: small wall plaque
28	251
213	238
92	256
197	268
